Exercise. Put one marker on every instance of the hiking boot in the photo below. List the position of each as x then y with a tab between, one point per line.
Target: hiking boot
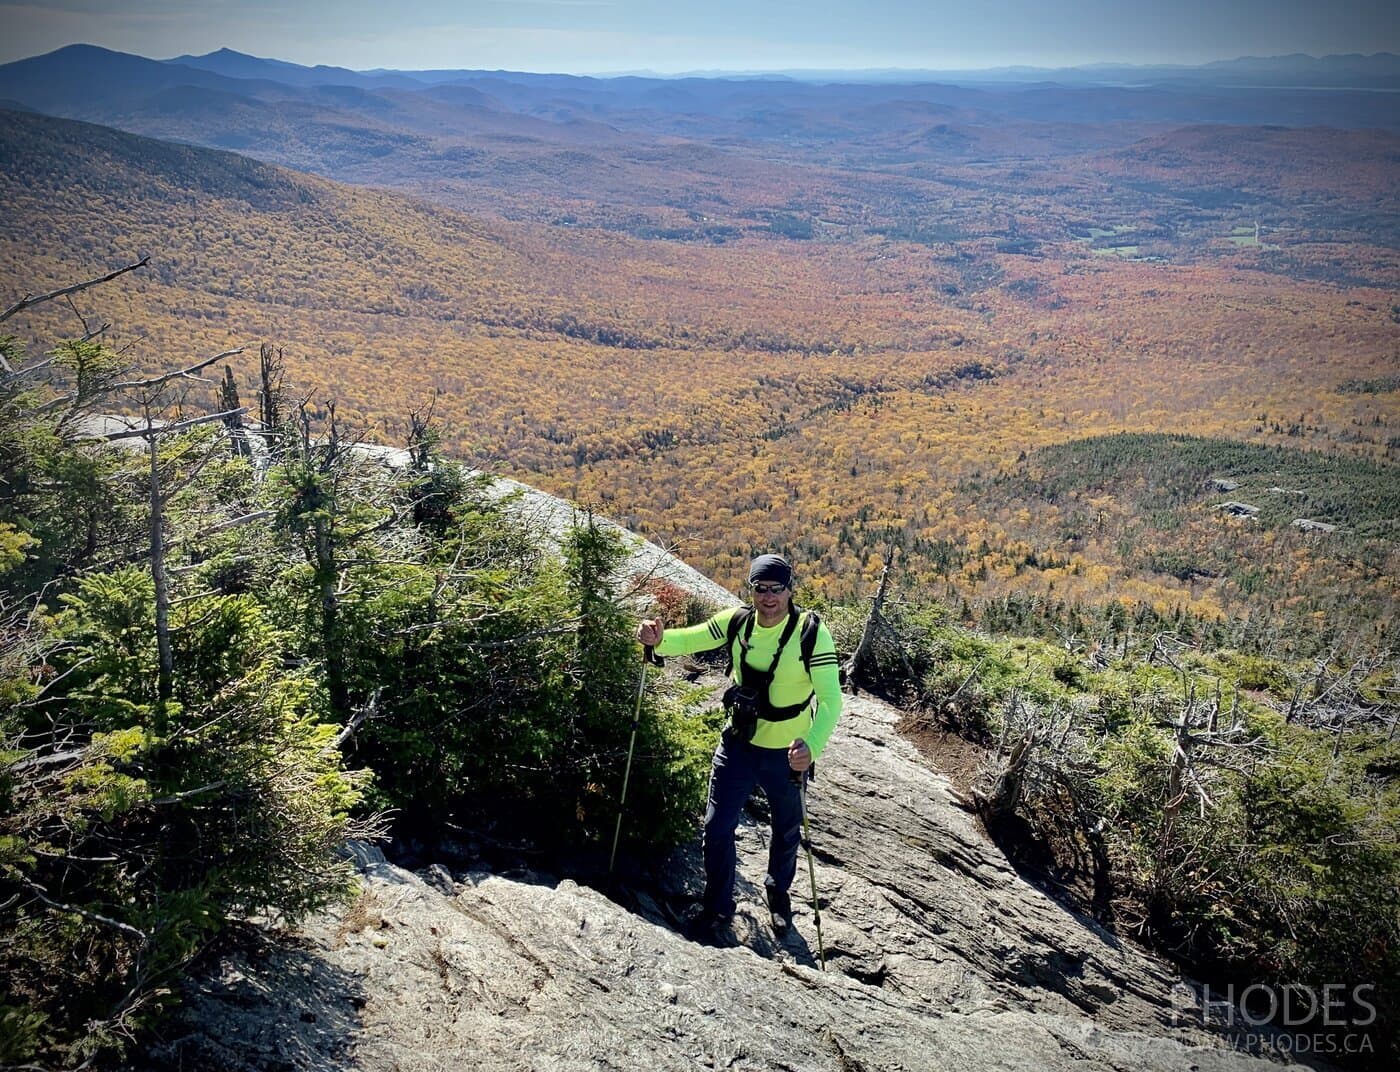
711	928
779	910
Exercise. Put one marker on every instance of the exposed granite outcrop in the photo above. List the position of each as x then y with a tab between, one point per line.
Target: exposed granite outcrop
939	955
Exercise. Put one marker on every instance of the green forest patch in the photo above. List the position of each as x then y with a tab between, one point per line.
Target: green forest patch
1156	472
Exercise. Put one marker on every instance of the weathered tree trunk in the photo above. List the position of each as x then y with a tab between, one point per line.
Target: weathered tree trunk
270	390
1005	793
1176	779
229	403
872	623
322	461
165	672
326	579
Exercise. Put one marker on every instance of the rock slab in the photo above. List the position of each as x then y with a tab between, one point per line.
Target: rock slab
939	956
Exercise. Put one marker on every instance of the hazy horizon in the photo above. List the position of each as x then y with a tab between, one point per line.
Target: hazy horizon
732	72
609	37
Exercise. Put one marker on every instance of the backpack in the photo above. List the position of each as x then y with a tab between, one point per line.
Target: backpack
807	639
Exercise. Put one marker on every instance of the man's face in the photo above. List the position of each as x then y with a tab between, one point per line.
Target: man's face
771	601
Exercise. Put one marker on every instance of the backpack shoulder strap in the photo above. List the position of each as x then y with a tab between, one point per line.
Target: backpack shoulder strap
809	638
786	635
809	646
736	623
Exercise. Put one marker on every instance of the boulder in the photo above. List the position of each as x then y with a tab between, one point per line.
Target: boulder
1309	525
1238	509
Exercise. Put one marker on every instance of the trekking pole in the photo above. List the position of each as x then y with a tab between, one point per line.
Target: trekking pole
648	656
801	780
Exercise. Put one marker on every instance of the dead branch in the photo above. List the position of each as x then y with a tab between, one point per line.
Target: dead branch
193	595
187	372
233	523
152	430
31	762
89	332
534	634
440	623
59	906
29	301
360	717
26	370
175	798
1200	788
1176	792
1064	735
967	680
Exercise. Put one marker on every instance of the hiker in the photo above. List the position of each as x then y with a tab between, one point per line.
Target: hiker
782	707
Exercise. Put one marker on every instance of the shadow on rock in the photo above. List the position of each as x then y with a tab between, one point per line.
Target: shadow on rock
264	1005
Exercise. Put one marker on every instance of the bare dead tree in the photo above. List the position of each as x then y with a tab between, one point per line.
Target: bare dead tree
316	469
152	431
421	436
1005	794
270	390
1323	698
1040	758
861	655
1199	741
1182	747
229	403
100	378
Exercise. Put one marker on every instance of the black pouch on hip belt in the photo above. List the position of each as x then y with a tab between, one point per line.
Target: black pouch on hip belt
743	704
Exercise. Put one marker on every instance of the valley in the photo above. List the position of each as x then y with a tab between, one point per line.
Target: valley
829	319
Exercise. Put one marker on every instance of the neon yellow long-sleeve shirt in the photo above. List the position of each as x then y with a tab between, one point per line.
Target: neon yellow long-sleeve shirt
791	682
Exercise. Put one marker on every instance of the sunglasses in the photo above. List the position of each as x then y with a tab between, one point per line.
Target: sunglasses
768	589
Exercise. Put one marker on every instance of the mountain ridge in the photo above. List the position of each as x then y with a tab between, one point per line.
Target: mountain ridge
50	82
1378	64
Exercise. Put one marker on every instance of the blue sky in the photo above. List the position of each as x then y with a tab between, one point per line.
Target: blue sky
592	36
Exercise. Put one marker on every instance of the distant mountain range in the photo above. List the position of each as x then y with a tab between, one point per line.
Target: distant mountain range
1378	70
707	159
83	81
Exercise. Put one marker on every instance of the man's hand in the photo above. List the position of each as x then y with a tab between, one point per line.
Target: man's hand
799	755
649	632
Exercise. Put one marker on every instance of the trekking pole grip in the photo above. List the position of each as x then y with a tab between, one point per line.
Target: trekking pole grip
649	656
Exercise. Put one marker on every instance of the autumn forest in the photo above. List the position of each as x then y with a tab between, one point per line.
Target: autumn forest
899	336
